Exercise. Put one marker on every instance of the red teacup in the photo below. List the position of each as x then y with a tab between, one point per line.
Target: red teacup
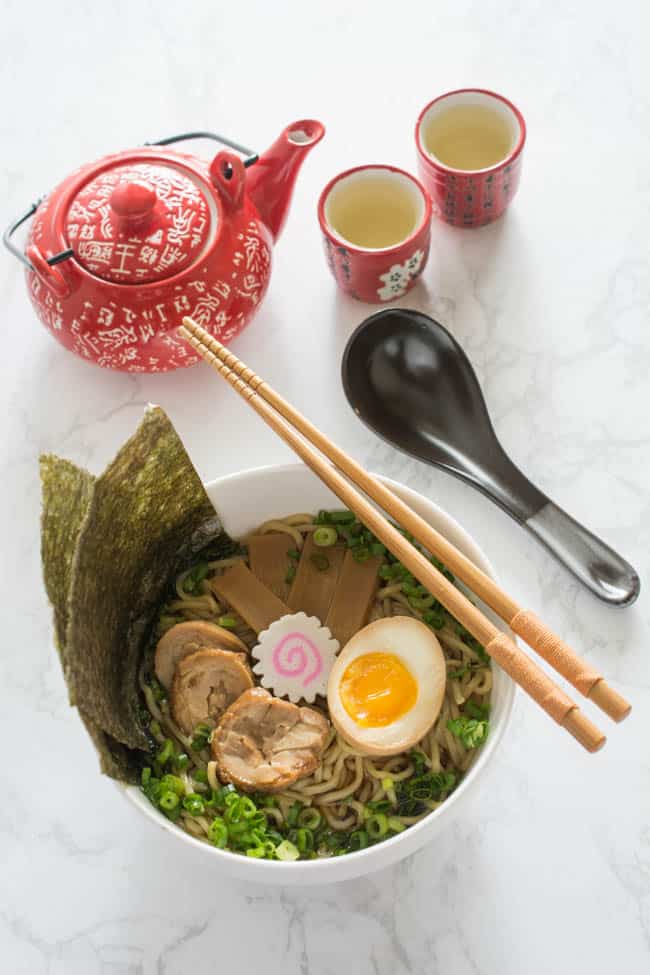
376	223
470	146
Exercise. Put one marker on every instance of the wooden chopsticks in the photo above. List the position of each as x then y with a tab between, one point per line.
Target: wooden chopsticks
276	412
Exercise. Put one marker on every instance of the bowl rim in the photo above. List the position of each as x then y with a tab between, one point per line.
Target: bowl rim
280	871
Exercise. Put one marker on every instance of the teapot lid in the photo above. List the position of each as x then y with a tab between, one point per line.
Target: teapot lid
139	222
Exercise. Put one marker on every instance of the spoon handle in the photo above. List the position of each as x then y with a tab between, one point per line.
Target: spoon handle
595	564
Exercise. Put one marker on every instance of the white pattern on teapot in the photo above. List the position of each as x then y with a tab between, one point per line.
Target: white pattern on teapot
124	336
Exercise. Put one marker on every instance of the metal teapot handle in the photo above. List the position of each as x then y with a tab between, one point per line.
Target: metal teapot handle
11	247
251	157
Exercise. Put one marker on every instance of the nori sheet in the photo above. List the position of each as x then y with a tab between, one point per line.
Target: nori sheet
136	527
66	495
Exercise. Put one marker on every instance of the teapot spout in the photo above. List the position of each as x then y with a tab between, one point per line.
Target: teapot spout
270	181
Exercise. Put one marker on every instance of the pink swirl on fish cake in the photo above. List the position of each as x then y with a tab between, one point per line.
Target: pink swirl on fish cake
293	661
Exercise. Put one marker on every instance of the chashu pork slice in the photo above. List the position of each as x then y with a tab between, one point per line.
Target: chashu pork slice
205	684
187	637
265	743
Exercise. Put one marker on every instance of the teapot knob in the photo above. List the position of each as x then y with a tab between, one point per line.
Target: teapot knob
133	200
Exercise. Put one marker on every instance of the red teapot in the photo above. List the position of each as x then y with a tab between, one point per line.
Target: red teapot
125	246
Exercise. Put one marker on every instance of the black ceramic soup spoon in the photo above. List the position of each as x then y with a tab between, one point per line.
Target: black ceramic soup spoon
409	380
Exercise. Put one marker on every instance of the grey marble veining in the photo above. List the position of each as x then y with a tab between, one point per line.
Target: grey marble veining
550	869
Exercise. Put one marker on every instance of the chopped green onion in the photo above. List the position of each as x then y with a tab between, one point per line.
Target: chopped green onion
332	840
168	801
423	787
395	825
181	761
172	783
291	574
455	674
325	535
414	793
227	622
472	643
240	809
159	692
145	776
233	815
249	809
264	801
194	578
377	826
388	786
194	804
320	561
293	813
413	589
220	796
286	851
469	731
422	602
218	832
294	554
479	711
143	716
342	517
377	805
200	775
310	818
361	553
166	752
445	782
378	549
201	737
419	760
151	787
155	729
358	839
435	618
322	518
304	840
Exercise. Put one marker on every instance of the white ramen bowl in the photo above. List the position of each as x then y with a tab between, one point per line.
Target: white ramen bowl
244	501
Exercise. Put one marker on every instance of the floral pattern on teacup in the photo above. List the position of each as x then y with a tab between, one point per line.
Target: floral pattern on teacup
399	276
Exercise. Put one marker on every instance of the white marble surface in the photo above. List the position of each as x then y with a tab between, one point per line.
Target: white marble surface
551	871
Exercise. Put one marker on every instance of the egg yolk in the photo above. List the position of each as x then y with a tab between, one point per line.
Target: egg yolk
377	689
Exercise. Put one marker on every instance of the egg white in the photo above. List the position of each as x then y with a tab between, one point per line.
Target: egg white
419	650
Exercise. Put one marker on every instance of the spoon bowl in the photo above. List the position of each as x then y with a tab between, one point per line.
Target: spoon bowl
409	380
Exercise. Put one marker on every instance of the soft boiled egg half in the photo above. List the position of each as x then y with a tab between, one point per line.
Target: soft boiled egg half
386	687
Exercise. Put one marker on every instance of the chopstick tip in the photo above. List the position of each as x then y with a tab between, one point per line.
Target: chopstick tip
584	730
610	701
